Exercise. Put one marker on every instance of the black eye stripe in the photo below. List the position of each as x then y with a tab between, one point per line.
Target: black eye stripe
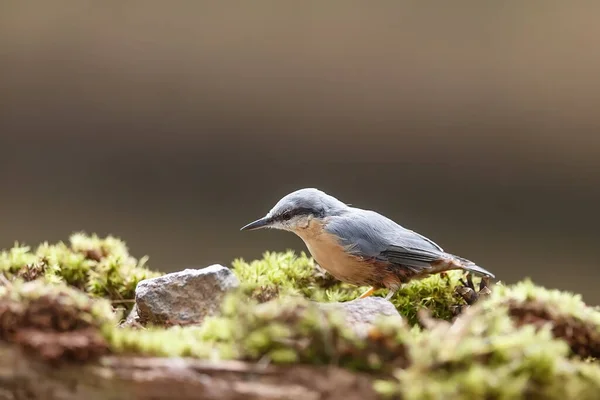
287	215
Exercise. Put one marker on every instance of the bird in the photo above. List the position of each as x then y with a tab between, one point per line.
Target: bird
359	246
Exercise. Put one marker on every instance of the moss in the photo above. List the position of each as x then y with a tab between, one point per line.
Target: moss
174	341
484	353
56	321
285	274
567	314
436	293
296	330
522	341
283	331
479	355
101	267
487	352
487	355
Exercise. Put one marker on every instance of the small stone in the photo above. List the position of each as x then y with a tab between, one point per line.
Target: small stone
132	319
362	313
185	297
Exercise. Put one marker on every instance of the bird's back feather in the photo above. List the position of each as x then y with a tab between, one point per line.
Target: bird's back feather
368	234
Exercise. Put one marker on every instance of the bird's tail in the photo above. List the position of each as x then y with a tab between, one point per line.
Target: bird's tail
470	266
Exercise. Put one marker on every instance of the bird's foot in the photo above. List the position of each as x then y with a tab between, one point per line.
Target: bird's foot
444	275
469	293
371	290
390	294
368	293
323	278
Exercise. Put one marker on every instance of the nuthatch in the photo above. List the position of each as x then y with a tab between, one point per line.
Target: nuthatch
360	247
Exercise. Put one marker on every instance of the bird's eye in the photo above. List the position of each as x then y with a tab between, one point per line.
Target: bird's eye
286	215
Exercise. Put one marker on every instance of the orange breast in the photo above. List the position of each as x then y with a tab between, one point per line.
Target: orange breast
330	255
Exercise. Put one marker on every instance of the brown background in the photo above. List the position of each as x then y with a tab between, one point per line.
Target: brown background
172	124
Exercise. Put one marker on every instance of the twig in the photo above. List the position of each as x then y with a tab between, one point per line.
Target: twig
5	282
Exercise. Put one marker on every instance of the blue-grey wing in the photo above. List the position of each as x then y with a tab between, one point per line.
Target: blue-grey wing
371	235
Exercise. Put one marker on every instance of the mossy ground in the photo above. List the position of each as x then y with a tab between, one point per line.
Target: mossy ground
101	267
56	321
522	341
291	274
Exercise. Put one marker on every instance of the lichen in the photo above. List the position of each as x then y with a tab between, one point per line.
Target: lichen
102	267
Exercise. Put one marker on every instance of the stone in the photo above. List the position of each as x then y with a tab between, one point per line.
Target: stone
132	320
185	297
362	313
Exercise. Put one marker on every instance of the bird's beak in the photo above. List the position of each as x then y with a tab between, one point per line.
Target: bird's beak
258	224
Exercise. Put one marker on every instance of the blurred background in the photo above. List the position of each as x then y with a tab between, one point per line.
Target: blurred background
172	124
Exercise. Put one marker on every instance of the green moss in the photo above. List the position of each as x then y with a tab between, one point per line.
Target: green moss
282	331
101	267
93	312
518	343
278	274
297	330
485	355
557	301
566	313
175	341
479	355
287	274
522	341
437	294
55	321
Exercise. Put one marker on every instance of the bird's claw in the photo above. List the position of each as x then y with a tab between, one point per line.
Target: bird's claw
469	293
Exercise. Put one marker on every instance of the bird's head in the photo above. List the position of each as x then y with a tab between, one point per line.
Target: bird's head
298	209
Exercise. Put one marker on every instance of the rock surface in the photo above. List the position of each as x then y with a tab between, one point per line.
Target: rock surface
361	313
185	297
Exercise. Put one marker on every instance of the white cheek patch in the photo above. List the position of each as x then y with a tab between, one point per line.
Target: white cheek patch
277	225
300	222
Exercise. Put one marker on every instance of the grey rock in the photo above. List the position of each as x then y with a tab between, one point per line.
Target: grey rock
362	313
184	297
